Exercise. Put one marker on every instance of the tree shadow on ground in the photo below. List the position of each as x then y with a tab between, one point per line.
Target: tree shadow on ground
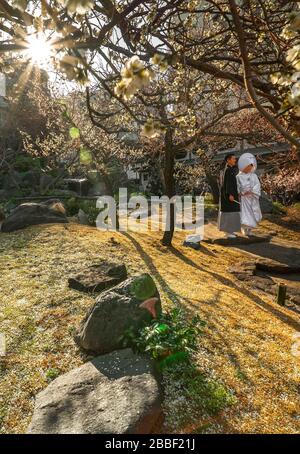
285	222
229	283
214	324
190	306
153	270
278	252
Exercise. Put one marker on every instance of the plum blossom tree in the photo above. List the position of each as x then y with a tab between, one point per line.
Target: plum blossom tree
169	68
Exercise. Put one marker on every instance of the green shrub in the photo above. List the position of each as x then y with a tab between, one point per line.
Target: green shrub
8	205
52	373
24	163
296	206
170	337
73	205
90	209
278	208
189	394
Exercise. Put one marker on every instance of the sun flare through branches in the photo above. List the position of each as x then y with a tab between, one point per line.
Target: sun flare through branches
39	50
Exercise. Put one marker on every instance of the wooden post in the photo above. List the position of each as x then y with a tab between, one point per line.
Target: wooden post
281	294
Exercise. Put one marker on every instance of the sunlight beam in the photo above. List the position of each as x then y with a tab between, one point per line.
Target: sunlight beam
39	50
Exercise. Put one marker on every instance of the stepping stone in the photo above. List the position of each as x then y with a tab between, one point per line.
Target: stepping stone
239	240
252	273
118	393
273	266
193	241
192	245
97	278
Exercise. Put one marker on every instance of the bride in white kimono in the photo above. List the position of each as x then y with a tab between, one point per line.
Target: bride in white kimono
249	189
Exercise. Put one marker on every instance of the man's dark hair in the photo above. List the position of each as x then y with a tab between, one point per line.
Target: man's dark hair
228	156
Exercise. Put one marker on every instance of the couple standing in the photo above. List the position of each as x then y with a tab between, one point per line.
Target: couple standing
239	196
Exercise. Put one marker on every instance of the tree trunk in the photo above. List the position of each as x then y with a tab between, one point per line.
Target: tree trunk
169	187
213	184
110	191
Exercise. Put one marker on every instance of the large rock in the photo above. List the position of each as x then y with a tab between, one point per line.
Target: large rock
266	204
83	217
116	393
131	304
97	278
32	214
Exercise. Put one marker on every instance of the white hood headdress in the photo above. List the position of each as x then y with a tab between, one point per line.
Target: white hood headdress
247	159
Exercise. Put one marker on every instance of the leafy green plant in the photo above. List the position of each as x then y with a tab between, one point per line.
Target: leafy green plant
8	205
73	205
52	373
169	337
278	208
23	163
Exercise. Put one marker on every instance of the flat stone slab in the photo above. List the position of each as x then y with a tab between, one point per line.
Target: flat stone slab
98	277
273	266
266	274
192	245
239	240
118	393
278	251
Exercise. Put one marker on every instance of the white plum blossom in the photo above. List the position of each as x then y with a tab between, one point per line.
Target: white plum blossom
295	77
293	56
20	4
160	61
295	90
152	128
78	6
291	79
134	77
295	21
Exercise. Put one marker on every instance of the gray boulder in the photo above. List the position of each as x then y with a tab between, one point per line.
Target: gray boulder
266	204
83	218
32	214
116	393
130	305
97	278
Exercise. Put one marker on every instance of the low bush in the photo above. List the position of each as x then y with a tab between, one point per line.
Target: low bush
189	394
73	205
170	334
278	208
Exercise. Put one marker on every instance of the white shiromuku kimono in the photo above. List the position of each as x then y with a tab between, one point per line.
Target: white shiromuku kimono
249	182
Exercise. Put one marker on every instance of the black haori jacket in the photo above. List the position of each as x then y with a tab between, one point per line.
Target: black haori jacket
228	186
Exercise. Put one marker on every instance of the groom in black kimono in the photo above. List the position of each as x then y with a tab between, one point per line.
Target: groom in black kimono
229	209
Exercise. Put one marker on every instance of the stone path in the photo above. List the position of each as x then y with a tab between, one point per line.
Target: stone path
268	262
